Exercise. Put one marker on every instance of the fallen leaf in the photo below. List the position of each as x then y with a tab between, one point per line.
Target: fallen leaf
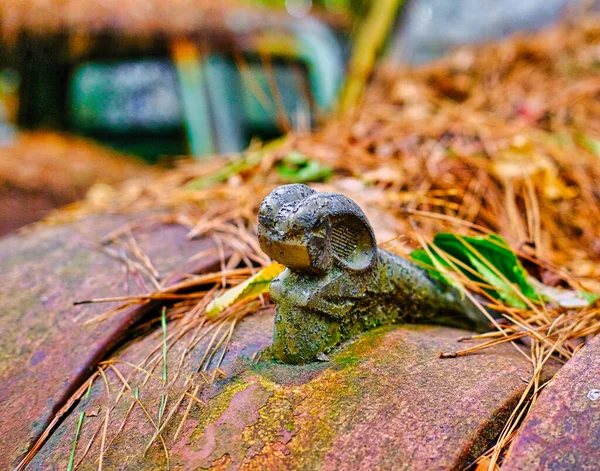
251	288
480	254
521	161
295	167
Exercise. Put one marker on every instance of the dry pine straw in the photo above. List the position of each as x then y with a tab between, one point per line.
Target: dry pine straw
504	138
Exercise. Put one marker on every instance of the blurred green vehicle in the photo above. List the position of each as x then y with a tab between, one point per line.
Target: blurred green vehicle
198	94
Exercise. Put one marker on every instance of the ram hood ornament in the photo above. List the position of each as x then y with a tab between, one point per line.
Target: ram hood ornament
338	283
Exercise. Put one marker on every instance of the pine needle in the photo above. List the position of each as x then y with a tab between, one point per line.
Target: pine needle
164	348
79	425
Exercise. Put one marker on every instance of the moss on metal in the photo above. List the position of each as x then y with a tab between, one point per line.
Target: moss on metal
338	283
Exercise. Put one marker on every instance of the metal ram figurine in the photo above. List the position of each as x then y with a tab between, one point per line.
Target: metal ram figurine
338	283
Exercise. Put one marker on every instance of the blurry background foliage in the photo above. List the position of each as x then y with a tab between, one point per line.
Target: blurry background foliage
357	8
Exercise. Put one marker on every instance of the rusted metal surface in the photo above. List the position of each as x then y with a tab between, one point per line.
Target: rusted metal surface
19	207
385	401
46	351
562	432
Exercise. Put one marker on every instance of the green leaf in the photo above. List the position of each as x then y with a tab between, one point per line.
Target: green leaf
496	252
251	288
591	298
436	267
236	166
491	261
503	289
295	167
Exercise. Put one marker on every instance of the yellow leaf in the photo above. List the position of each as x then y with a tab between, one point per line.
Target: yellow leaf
251	288
522	161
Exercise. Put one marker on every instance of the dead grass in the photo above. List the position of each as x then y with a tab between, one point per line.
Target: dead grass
502	139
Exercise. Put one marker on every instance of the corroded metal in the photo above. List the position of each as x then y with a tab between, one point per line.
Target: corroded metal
337	282
46	349
384	402
562	430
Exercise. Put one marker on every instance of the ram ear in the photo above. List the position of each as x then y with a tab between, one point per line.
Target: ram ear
350	238
352	242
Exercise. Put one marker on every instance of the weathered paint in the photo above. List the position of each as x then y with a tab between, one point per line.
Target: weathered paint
45	350
562	431
384	401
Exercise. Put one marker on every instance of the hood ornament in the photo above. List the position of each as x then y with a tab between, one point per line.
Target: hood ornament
338	283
